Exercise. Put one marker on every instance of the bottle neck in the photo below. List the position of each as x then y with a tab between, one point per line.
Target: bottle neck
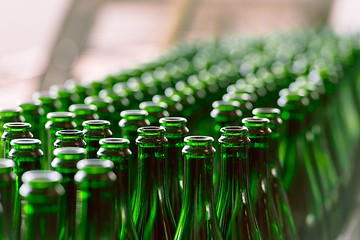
258	157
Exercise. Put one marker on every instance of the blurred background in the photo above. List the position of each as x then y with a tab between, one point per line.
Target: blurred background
47	42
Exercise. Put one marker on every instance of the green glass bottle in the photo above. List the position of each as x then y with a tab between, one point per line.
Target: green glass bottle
117	150
105	110
56	121
69	138
129	124
94	131
78	91
234	210
32	112
155	111
152	211
42	205
95	201
63	98
176	131
198	214
27	155
65	162
277	186
258	179
7	198
173	107
14	130
8	115
83	113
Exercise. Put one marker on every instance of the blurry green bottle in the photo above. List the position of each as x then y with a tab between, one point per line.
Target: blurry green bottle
234	210
298	168
129	124
78	91
245	100
155	111
105	110
27	155
94	131
8	115
198	214
277	186
65	162
63	98
83	113
7	198
14	130
56	121
152	211
176	131
117	150
174	108
69	138
42	205
261	195
95	201
32	114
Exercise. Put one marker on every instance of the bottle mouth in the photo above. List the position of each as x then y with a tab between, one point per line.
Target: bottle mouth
134	114
67	153
97	101
151	130
172	121
58	116
266	112
41	178
69	133
255	122
17	126
29	105
10	112
95	124
95	166
44	96
234	130
6	165
152	107
225	106
198	140
82	108
115	141
25	142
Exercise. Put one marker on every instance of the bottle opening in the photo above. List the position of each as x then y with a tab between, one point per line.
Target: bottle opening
168	121
17	126
69	132
69	151
93	166
198	140
255	122
96	123
134	112
151	130
114	141
234	130
79	108
41	178
10	112
25	142
266	112
60	115
6	165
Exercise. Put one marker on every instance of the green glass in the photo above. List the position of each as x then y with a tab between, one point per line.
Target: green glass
176	131
198	214
277	186
14	130
8	115
245	100
69	138
63	98
155	111
261	196
105	110
298	168
117	150
42	205
95	201
65	162
83	112
78	91
94	131
234	210
7	198
174	108
56	121
129	124
152	211
32	114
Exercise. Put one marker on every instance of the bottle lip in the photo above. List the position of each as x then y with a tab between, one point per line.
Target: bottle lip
82	108
266	112
17	126
69	151
173	121
96	124
225	106
95	165
29	104
152	107
255	122
198	140
97	101
9	112
69	133
25	142
151	130
60	115
6	165
136	113
41	178
234	130
46	96
115	141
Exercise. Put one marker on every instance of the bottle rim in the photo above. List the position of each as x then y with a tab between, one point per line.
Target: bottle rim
60	115
95	165
134	113
69	151
9	112
82	108
172	121
6	165
94	124
266	112
41	178
255	122
114	141
69	133
25	142
151	130
17	126
234	130
197	140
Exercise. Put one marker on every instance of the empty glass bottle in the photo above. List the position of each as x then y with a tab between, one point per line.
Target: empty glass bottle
63	98
198	214
94	131
42	205
155	111
69	138
234	210
105	110
7	198
56	121
176	131
117	150
152	211
258	179
95	201
14	130
65	162
82	113
32	114
277	186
